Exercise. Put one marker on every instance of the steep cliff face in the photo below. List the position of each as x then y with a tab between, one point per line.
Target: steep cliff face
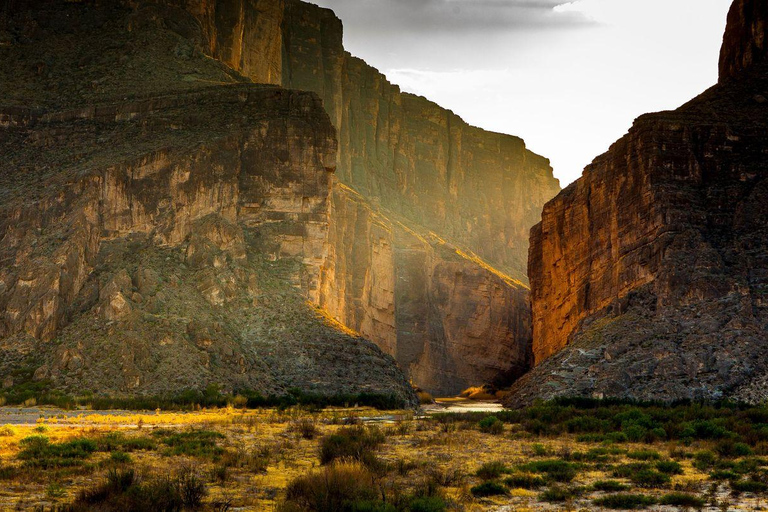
449	319
157	243
416	162
648	274
744	43
479	189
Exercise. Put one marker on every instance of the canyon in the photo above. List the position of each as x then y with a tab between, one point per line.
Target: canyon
649	274
214	192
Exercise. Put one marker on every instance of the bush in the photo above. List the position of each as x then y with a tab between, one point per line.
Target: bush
428	504
355	443
195	443
488	489
492	470
650	478
491	425
751	486
332	488
120	458
625	501
555	469
525	481
123	490
729	448
305	428
609	486
669	467
38	451
644	455
678	499
704	460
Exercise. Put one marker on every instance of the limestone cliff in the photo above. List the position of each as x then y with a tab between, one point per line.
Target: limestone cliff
649	274
158	220
449	319
423	168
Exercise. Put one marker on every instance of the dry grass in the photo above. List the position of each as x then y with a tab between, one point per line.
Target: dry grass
267	452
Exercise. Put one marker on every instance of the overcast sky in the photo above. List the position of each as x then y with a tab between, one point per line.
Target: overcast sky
568	77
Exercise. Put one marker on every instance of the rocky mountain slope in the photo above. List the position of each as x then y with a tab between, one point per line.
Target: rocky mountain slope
415	165
160	217
649	274
133	132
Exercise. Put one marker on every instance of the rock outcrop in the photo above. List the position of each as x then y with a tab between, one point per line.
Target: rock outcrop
649	274
408	159
159	221
420	167
449	319
415	167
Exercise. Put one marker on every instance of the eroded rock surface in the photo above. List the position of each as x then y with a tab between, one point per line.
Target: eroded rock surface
168	239
649	274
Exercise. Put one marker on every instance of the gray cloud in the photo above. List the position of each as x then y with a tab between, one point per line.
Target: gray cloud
453	16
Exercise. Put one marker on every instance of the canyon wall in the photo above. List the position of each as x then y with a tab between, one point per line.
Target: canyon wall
443	314
649	274
155	244
415	166
404	161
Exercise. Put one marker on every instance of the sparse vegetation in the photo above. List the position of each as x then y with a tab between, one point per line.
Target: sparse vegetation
440	462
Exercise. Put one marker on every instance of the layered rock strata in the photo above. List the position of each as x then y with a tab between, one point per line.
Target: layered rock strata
442	313
157	242
421	167
649	274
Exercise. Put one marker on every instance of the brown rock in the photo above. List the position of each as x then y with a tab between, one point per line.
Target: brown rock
649	273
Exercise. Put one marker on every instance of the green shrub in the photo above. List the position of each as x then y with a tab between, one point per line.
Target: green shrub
625	501
609	486
724	475
678	499
428	504
751	486
120	458
116	441
616	437
368	506
525	481
555	469
628	470
488	489
669	467
704	460
644	455
355	443
491	425
492	470
650	478
730	448
634	433
38	451
195	443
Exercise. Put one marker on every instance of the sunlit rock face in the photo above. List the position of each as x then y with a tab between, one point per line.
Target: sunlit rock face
450	321
649	275
413	161
452	318
163	223
409	159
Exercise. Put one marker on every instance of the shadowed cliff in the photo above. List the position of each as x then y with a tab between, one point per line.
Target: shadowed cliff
649	274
